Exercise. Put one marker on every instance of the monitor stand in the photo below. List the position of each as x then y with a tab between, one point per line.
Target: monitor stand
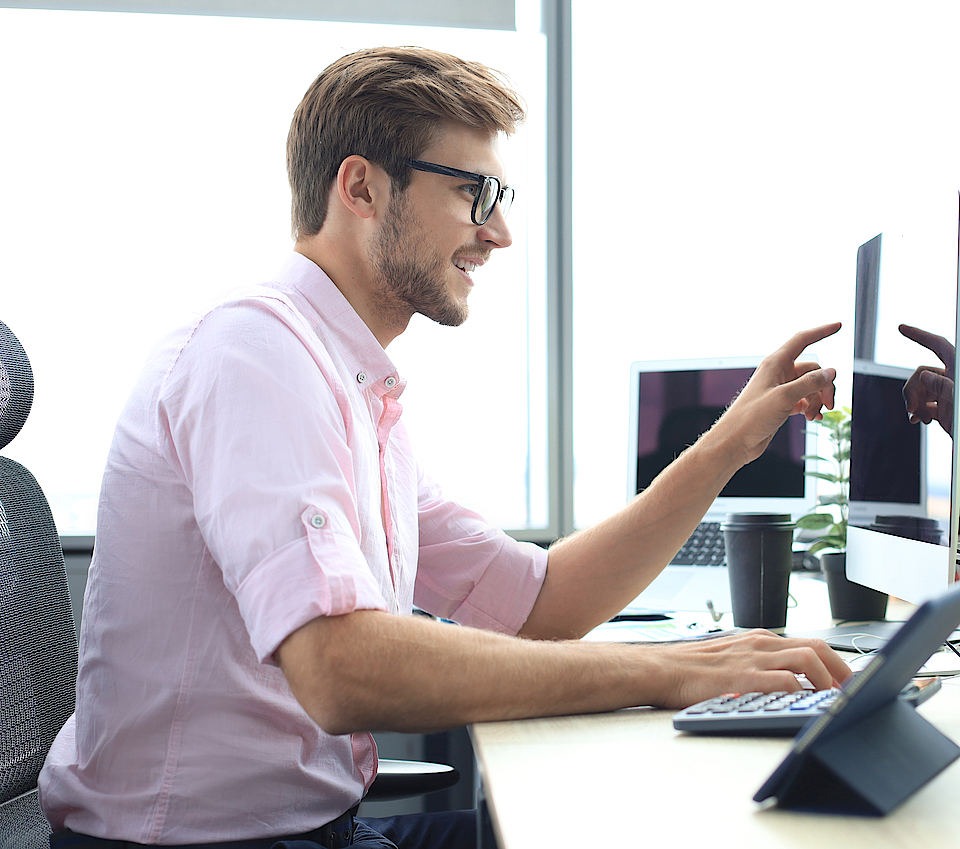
859	636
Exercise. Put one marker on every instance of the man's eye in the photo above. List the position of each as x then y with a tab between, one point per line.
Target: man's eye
471	189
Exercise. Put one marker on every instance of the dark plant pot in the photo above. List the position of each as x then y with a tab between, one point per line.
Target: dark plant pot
850	601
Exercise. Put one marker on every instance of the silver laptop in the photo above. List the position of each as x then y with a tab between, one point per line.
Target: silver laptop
671	403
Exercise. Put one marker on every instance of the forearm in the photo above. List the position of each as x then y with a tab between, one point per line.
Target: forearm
372	671
593	574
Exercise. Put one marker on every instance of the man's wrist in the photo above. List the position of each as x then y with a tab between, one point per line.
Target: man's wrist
721	449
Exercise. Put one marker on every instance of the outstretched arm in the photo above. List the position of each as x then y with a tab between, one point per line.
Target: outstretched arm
595	573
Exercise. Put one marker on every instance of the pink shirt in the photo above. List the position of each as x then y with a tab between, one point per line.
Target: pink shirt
242	498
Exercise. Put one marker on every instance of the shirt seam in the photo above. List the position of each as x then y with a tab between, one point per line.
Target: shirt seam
175	738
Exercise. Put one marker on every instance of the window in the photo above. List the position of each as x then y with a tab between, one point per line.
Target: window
729	158
144	176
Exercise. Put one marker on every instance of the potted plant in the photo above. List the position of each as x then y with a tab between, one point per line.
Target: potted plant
848	601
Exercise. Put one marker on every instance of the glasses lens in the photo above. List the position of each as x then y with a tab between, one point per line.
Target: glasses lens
506	201
487	199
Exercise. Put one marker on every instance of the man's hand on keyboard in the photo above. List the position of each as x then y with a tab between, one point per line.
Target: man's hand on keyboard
750	662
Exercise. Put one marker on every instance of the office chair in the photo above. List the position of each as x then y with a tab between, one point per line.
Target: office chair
38	649
401	779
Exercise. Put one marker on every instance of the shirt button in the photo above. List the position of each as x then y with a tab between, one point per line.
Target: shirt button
361	378
391	382
318	520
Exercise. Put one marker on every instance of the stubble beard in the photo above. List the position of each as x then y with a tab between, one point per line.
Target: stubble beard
408	284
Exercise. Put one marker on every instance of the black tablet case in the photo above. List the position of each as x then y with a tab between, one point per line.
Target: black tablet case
871	750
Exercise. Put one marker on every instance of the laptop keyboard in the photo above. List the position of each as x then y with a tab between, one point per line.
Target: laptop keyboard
703	548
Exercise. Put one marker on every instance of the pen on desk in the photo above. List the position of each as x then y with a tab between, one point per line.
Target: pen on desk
713	611
640	617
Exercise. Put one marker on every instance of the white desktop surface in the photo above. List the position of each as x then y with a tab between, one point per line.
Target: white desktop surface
629	779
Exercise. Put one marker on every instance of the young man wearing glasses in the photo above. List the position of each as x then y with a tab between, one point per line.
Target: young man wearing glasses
264	529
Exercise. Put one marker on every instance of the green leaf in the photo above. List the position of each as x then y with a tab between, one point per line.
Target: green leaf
835	543
816	521
833	420
824	476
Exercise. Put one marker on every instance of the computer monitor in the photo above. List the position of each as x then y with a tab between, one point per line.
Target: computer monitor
902	534
672	402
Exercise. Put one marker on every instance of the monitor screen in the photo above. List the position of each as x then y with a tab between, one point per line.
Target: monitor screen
902	533
672	402
887	456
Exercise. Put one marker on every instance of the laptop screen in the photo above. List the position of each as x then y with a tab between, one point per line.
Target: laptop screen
674	401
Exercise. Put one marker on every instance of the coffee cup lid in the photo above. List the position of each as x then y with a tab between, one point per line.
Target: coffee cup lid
757	520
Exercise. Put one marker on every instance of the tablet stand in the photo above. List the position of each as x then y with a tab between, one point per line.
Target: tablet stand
868	767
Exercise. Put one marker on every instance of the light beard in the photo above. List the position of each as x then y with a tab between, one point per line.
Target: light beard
407	283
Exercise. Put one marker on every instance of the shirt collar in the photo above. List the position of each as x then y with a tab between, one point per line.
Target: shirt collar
337	324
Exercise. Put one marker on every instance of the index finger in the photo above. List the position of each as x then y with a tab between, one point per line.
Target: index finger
931	341
805	338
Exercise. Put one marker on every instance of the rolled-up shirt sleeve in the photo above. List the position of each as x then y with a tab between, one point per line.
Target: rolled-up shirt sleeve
471	572
321	574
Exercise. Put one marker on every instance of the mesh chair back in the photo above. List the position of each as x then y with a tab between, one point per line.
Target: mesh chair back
16	386
23	825
38	649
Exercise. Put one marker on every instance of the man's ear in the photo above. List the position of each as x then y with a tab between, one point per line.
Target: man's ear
363	188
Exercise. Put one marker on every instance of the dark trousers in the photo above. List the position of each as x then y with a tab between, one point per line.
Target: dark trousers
440	830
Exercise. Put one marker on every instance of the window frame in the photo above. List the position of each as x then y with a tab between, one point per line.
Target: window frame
555	24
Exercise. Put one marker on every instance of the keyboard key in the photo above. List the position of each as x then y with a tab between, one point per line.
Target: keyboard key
703	548
778	712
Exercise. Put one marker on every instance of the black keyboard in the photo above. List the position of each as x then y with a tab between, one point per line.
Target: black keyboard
774	713
703	548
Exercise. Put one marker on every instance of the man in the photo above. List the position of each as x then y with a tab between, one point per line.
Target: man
264	530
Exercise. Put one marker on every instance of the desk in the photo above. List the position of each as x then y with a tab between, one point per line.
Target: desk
628	779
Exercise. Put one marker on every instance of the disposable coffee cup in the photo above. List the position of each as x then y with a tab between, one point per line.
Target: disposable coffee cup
759	552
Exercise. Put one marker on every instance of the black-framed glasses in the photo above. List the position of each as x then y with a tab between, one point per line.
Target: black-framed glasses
490	190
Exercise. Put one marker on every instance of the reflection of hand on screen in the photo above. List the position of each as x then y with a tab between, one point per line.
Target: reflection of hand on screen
928	393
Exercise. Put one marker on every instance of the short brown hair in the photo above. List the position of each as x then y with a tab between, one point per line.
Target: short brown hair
386	104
